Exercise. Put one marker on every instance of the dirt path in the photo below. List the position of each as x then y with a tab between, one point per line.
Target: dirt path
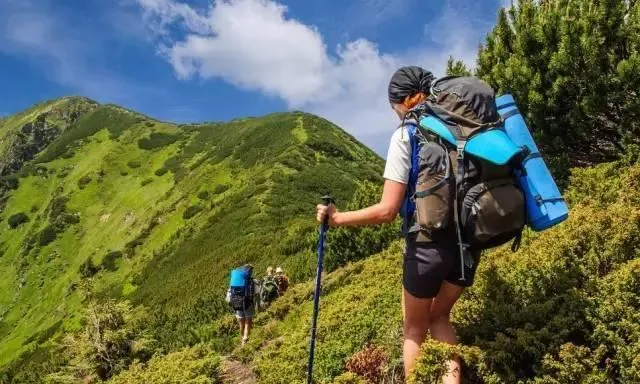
234	372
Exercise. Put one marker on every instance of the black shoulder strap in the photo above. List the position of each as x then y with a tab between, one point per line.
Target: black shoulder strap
465	256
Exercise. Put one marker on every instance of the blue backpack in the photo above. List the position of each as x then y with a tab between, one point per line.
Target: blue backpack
470	183
241	287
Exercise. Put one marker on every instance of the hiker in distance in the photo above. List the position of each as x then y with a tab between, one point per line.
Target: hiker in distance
282	281
431	270
240	296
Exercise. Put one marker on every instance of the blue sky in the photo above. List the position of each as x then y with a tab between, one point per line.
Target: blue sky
197	60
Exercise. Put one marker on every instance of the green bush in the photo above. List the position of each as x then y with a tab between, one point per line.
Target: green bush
112	338
203	195
84	180
88	268
197	365
221	188
9	182
192	211
47	235
133	164
146	182
161	171
110	260
18	219
157	140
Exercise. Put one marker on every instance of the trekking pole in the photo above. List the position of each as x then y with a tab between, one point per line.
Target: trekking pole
327	200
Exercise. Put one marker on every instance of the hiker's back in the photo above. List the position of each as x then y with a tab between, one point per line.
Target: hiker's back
241	289
465	193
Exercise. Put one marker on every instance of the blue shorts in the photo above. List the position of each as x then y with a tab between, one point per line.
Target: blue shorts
245	314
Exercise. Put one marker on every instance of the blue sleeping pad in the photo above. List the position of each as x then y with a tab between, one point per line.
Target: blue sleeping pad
545	205
238	277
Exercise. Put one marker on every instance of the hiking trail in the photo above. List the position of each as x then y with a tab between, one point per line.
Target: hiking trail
234	372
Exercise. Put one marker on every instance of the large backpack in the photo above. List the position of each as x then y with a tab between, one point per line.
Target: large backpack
269	291
241	287
457	194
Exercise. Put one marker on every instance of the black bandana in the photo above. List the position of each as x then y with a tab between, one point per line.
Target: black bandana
408	81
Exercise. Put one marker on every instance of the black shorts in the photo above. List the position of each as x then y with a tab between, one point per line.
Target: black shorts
426	266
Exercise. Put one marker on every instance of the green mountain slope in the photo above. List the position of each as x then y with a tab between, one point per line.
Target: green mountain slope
157	213
564	308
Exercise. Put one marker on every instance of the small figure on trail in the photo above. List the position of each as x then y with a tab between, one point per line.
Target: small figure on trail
240	297
268	289
282	281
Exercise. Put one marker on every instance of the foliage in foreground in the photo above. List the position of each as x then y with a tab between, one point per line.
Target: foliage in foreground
564	308
194	365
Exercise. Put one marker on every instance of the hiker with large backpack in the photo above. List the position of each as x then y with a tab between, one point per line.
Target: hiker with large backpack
240	297
268	289
282	281
461	185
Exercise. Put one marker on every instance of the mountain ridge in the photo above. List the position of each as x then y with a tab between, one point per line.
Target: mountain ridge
156	212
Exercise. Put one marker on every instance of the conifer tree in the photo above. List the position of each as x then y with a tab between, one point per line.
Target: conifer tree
574	68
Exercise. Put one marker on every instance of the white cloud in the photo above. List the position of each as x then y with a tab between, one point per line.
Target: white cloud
254	45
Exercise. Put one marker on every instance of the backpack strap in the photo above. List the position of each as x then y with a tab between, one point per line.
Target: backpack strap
409	203
465	256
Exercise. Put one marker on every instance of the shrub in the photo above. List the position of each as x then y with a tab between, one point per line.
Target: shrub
157	140
9	182
161	171
349	378
220	188
47	235
197	365
112	337
110	259
369	363
84	180
146	182
88	268
133	164
203	195
191	211
17	220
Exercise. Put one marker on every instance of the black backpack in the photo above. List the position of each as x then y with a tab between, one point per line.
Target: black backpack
459	197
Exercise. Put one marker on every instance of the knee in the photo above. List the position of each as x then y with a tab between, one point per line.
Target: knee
440	319
416	330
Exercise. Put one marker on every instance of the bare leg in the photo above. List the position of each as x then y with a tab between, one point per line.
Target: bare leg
247	329
442	329
416	325
241	322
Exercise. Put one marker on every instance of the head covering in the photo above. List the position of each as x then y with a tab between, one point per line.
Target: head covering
279	270
269	270
408	81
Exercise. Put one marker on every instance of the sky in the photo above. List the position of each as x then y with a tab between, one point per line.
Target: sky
203	60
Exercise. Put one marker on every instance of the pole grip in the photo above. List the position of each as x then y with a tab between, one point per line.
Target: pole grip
326	201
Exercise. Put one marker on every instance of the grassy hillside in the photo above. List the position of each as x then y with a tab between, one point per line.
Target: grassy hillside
564	308
157	213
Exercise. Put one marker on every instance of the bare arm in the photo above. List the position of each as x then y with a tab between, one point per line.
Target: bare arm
383	212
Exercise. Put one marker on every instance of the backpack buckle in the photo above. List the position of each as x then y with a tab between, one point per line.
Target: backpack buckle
460	149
